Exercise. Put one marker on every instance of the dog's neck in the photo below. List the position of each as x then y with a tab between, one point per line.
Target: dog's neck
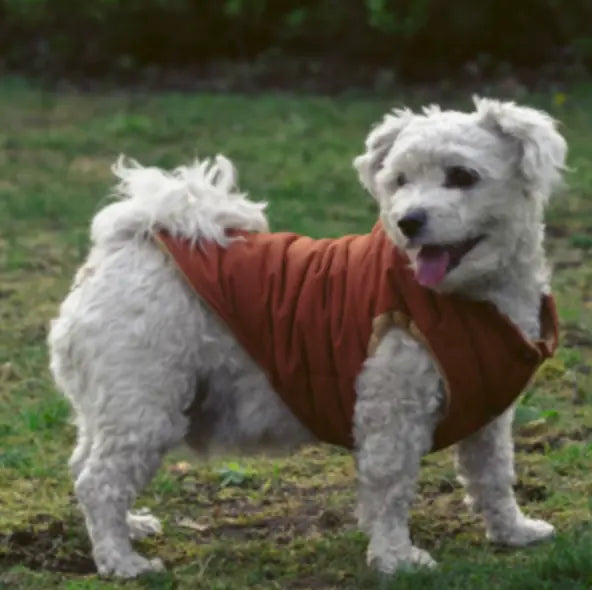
517	288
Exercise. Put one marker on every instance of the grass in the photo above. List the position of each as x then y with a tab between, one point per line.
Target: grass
261	523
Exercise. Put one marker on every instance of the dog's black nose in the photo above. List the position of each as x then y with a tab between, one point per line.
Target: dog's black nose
412	223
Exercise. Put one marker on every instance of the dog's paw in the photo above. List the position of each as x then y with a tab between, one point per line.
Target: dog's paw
126	566
525	532
142	524
410	557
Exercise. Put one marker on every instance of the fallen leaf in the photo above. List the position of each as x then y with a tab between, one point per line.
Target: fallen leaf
181	467
192	524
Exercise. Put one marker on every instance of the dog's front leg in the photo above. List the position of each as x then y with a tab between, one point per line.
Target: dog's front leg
485	463
398	400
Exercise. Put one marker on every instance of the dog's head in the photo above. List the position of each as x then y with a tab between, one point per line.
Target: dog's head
459	192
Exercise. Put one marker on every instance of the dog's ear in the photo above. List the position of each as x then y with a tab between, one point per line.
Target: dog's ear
542	148
378	145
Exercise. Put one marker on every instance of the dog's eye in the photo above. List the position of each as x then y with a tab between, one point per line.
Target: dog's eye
401	180
459	177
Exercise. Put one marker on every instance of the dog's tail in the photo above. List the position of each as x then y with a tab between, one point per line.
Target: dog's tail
199	202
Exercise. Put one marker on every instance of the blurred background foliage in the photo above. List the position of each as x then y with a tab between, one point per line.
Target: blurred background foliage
416	39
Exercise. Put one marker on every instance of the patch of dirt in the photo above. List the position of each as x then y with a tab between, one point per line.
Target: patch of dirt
318	582
530	492
558	230
576	336
539	444
582	434
207	495
46	548
247	522
553	440
431	488
281	529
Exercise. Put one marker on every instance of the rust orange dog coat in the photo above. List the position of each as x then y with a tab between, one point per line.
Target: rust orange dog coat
309	312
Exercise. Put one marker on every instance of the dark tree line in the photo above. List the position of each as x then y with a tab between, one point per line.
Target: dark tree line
418	38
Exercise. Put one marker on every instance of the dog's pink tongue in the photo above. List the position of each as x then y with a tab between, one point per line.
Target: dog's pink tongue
432	264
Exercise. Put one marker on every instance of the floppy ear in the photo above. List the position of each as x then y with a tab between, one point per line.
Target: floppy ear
542	148
378	145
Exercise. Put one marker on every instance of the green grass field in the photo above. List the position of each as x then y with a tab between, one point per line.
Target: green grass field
267	523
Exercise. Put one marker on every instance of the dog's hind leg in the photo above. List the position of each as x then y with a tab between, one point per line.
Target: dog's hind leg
396	411
140	523
485	463
127	450
239	411
127	355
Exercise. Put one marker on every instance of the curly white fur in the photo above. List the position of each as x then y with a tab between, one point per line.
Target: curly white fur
198	201
146	365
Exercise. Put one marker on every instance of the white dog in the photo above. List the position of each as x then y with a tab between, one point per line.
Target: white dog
146	363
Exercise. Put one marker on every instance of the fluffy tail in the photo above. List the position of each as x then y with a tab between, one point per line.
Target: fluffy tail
197	202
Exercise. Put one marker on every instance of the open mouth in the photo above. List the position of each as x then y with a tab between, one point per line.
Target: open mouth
435	262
